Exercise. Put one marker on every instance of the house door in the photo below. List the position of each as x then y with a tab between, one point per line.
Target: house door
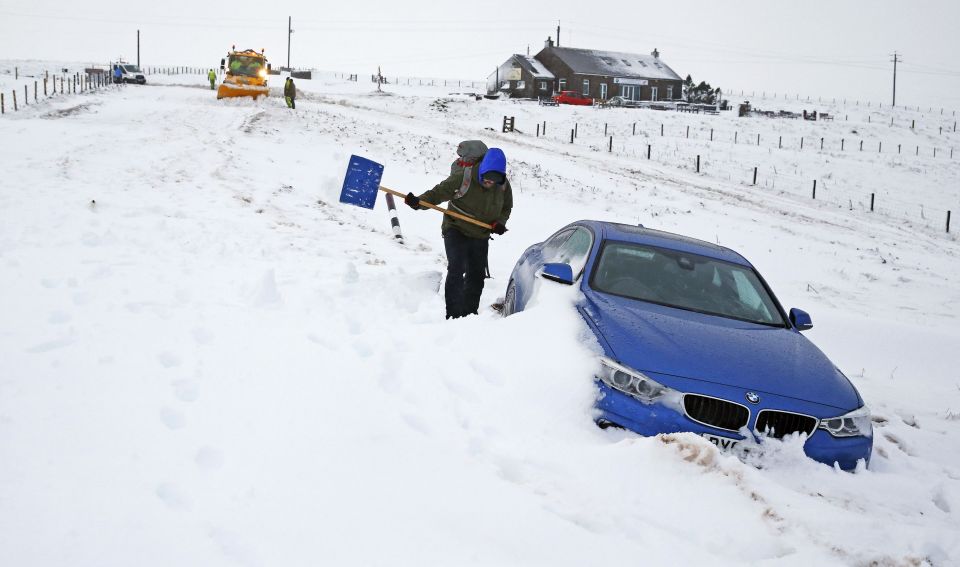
653	93
627	92
603	91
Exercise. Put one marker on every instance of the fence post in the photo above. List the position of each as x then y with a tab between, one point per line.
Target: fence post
604	128
711	134
948	221
842	141
634	128
861	145
821	143
918	150
538	129
661	130
44	86
779	143
754	176
913	124
3	105
544	127
814	188
735	137
610	149
880	147
14	100
26	95
576	129
35	91
698	164
648	151
572	133
872	195
801	142
898	149
758	139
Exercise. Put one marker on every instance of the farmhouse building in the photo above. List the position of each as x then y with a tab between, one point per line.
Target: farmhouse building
521	76
598	74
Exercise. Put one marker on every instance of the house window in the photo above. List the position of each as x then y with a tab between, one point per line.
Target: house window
626	91
521	85
563	85
586	87
543	85
603	91
653	93
669	93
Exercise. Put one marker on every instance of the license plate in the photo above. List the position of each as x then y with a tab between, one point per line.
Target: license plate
724	443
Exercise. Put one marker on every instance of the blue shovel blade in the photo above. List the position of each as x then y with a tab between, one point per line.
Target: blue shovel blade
362	182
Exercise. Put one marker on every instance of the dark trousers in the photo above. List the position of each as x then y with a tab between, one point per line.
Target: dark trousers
466	268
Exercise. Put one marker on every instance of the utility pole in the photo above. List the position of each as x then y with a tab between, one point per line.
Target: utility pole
896	59
138	49
289	31
558	33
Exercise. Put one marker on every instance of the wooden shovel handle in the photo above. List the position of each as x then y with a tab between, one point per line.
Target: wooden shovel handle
453	214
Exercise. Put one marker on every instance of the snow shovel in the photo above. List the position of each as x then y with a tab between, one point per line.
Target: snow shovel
363	181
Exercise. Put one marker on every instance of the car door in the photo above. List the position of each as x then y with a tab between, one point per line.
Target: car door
520	288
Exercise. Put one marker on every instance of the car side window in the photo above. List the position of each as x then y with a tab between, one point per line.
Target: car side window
574	250
551	246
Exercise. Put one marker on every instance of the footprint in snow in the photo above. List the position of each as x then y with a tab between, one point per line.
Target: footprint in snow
168	359
172	418
173	496
185	390
208	458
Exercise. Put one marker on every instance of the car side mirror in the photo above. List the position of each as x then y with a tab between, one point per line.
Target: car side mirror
800	319
223	64
269	68
561	273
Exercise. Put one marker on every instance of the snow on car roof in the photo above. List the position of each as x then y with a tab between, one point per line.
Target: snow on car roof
670	240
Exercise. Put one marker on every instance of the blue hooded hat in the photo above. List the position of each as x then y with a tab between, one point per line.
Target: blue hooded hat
494	160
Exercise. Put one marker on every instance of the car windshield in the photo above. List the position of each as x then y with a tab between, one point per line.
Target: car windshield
685	281
131	69
245	65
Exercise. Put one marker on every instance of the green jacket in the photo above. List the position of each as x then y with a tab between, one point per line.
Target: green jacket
289	89
212	76
486	205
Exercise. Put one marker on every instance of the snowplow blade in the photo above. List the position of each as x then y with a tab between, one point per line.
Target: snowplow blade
231	91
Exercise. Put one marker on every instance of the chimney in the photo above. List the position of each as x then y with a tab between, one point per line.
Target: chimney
655	53
548	43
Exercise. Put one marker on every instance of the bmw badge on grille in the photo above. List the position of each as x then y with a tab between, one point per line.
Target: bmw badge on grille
753	398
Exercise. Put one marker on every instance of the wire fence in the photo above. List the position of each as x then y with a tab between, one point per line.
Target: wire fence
770	164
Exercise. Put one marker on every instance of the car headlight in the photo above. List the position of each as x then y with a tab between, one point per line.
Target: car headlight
262	73
631	382
853	424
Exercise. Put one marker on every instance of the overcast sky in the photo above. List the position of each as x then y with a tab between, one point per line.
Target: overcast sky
823	48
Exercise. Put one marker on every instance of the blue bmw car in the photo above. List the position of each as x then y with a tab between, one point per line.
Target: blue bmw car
694	340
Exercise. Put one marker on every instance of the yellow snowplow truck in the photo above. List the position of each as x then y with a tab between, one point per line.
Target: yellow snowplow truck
245	74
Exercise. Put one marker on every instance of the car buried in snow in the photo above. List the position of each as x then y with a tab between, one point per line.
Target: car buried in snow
695	341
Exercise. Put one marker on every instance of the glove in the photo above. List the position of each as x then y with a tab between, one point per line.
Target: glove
497	228
412	201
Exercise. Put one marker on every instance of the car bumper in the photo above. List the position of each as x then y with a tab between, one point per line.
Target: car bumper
617	408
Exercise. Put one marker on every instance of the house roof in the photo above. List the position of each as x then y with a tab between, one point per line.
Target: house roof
613	63
532	66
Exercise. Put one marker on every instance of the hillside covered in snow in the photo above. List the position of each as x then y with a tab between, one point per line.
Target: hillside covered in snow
206	359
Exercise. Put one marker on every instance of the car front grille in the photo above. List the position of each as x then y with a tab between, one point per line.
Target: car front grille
715	413
779	424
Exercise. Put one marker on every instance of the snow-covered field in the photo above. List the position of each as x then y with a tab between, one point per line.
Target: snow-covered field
205	359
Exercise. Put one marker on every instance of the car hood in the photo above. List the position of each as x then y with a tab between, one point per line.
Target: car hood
665	340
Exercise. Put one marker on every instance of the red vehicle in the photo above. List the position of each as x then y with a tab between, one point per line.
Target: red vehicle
572	97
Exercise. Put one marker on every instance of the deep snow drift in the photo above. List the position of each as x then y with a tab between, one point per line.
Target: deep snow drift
205	359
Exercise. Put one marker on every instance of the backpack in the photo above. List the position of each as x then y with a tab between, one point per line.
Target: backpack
470	152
